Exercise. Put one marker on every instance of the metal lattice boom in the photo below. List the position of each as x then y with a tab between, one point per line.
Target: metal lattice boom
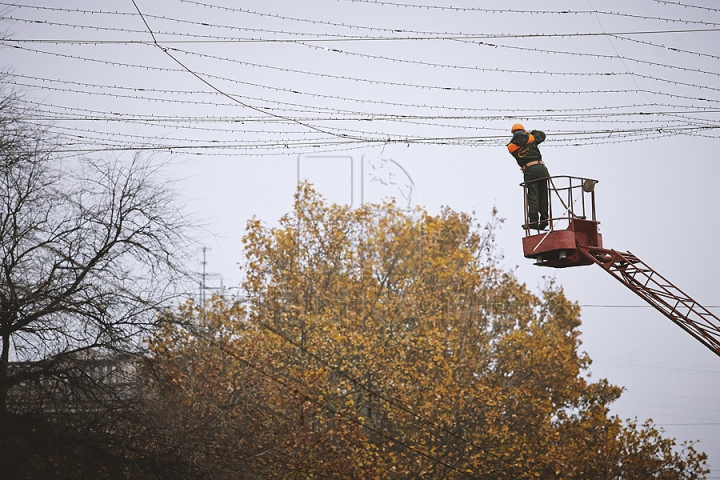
659	292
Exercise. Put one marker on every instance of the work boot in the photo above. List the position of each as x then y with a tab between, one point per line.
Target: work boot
536	226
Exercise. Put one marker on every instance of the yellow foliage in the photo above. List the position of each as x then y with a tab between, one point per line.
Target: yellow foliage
382	343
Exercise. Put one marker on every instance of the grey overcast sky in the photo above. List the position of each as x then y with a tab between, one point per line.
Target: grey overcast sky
414	99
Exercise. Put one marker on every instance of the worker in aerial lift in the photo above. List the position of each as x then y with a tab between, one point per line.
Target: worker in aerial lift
524	147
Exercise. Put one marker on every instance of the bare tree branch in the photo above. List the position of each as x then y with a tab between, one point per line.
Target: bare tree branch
90	249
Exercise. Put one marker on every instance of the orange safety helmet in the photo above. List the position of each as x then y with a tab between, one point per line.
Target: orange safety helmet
517	126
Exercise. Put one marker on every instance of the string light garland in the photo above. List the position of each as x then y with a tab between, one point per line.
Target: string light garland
370	101
263	105
687	5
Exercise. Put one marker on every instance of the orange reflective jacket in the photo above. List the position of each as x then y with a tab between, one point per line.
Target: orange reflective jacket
524	146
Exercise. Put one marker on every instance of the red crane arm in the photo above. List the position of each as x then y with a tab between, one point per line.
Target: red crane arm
659	292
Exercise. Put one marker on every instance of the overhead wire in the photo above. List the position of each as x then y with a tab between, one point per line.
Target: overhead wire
371	101
510	10
468	89
232	98
384	58
468	39
602	136
664	47
503	70
403	118
661	123
429	7
235	130
307	36
617	56
687	5
499	113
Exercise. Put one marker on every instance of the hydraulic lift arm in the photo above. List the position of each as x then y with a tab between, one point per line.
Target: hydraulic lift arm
655	289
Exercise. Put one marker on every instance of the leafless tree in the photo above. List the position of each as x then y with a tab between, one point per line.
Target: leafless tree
89	251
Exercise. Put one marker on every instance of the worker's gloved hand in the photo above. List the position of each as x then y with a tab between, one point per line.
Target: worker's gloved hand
539	136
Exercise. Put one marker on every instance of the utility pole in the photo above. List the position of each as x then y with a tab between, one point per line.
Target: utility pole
202	281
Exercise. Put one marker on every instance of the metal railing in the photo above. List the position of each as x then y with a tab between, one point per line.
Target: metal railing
568	198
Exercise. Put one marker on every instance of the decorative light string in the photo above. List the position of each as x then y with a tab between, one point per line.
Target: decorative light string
306	109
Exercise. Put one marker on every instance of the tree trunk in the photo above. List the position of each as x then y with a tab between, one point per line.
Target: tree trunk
4	380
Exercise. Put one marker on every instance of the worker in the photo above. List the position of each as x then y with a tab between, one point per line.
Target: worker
524	147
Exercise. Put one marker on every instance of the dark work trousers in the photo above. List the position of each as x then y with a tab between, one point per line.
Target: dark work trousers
537	196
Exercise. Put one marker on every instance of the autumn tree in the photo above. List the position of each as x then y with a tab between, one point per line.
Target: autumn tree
383	343
90	250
